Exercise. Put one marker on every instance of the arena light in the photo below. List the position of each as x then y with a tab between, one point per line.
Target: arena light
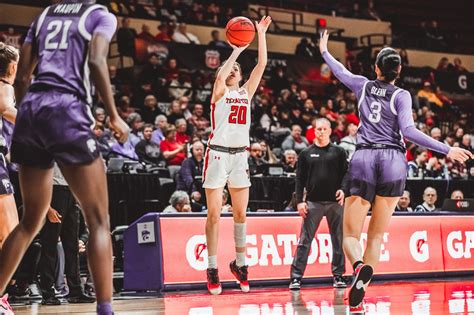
321	24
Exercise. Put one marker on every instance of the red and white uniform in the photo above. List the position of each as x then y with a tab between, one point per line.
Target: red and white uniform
230	120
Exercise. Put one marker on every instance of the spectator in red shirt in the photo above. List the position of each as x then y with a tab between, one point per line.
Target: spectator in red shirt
171	69
146	34
163	35
173	152
339	132
181	127
310	135
351	117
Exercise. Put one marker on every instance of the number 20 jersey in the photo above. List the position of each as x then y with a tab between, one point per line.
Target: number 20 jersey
61	36
230	119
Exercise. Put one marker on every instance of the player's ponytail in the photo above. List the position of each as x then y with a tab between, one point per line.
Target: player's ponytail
8	54
388	60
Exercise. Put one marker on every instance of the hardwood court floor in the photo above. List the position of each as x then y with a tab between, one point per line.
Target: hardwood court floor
420	297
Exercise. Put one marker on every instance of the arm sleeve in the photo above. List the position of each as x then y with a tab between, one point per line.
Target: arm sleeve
352	81
103	22
301	174
407	125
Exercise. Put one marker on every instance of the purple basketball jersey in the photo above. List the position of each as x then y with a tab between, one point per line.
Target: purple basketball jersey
378	116
61	35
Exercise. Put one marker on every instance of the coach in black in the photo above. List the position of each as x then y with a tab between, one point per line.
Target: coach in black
321	169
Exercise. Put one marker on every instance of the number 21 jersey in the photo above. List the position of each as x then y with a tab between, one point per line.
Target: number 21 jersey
230	119
61	36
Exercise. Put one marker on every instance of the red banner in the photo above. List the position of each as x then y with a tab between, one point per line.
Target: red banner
412	244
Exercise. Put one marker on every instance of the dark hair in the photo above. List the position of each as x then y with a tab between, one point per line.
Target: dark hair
388	60
147	126
8	54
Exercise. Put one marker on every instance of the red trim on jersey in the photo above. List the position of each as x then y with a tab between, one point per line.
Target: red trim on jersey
213	120
206	163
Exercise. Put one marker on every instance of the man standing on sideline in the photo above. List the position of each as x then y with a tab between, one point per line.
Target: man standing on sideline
320	170
62	221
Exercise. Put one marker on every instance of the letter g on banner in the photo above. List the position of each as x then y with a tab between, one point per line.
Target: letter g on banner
462	81
419	247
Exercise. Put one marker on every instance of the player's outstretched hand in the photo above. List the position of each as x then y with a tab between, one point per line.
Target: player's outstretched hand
323	41
120	129
263	25
459	155
239	49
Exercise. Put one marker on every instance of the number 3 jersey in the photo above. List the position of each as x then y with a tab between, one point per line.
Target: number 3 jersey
230	119
61	36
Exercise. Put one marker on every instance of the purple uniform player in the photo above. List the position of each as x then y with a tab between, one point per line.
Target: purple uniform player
68	44
378	168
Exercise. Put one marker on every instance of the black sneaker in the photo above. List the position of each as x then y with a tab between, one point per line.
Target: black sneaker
241	274
295	284
80	298
52	300
362	276
339	282
213	283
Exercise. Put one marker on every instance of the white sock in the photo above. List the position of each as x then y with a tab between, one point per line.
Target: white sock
212	262
240	259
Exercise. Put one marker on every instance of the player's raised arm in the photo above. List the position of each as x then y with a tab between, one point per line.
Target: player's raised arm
224	72
257	72
352	81
409	131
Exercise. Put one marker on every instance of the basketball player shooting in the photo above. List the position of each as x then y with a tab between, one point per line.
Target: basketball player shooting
68	44
226	156
378	168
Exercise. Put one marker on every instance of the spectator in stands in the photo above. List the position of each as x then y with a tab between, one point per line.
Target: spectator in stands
290	160
11	37
179	203
339	132
435	36
152	71
404	57
429	197
124	109
278	81
404	203
136	123
267	153
197	113
115	81
226	207
435	133
417	168
348	143
183	36
437	168
457	195
466	142
295	141
184	105
458	135
171	70
146	34
428	96
310	135
180	86
356	12
175	112
100	116
304	49
150	109
255	159
161	123
191	169
102	138
173	151
181	127
458	67
371	12
308	107
444	65
146	150
126	39
216	42
270	122
163	33
124	150
211	16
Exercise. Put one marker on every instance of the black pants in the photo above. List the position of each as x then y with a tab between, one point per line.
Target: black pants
316	210
63	202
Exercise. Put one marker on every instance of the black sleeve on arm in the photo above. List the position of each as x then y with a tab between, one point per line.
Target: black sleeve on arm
301	176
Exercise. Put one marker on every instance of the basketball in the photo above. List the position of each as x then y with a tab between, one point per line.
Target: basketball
240	31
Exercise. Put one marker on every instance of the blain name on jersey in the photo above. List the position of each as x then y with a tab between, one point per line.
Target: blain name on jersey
378	91
71	8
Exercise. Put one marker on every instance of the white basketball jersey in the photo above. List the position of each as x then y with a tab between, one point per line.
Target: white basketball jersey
230	119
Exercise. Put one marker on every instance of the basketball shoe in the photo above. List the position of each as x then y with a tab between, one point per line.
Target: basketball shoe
241	274
213	283
362	276
5	308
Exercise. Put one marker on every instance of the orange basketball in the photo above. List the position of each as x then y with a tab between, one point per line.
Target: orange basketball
240	31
